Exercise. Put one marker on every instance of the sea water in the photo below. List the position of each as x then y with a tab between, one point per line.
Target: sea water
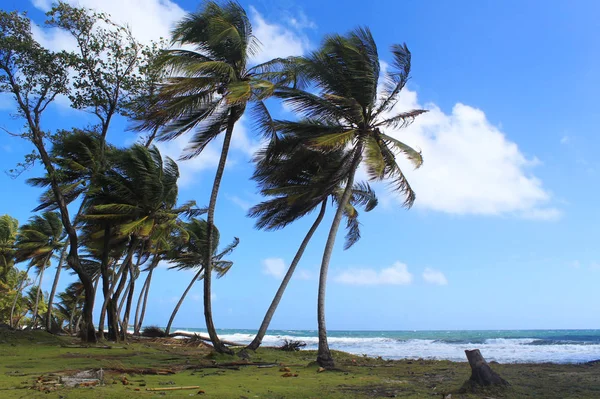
504	346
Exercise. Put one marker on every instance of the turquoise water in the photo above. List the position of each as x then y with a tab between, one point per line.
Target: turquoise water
505	346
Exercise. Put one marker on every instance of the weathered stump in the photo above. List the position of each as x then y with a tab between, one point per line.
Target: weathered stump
482	374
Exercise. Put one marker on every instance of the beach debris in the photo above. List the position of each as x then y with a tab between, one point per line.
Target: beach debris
285	369
174	388
482	374
289	375
201	337
320	370
292	346
86	378
153	332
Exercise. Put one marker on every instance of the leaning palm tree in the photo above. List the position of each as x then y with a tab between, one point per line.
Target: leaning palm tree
297	178
138	199
351	111
208	89
38	242
191	255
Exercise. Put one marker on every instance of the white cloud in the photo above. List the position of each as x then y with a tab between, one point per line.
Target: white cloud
574	264
274	267
436	277
275	40
302	274
189	169
299	20
565	140
470	166
148	19
243	204
397	274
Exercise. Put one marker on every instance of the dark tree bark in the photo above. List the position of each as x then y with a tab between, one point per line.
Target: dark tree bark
481	373
286	279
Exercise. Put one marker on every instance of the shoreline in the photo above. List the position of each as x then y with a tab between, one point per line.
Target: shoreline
34	363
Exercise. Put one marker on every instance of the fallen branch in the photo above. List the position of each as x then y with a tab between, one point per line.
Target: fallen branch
200	337
173	388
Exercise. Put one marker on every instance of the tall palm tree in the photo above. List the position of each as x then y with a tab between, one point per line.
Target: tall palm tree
207	92
191	255
38	242
297	177
351	111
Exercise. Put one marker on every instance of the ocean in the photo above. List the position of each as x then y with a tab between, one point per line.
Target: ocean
503	346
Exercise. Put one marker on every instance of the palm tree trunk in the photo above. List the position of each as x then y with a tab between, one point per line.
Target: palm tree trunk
37	296
115	312
138	323
17	295
130	296
210	218
54	286
189	287
324	355
138	306
286	279
71	329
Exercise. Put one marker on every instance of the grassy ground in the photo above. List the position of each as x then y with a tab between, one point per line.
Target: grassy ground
31	364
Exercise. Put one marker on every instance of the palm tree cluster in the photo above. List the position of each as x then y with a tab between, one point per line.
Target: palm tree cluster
129	219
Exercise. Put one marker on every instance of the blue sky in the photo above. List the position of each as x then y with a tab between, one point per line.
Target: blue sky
503	234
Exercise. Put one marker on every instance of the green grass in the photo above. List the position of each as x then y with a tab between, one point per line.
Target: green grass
27	356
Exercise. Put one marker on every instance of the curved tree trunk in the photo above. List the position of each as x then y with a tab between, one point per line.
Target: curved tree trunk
210	218
71	329
130	296
286	279
139	321
122	279
37	297
138	306
189	287
324	355
63	256
17	295
101	320
108	310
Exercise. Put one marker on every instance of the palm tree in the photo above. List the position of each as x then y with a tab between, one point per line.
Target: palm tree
162	242
298	178
8	235
78	156
69	306
38	242
138	194
350	111
191	255
208	90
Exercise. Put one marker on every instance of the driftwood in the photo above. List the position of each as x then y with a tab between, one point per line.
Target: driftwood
198	336
482	374
173	388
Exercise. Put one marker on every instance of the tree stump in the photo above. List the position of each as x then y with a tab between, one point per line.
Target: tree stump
482	374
